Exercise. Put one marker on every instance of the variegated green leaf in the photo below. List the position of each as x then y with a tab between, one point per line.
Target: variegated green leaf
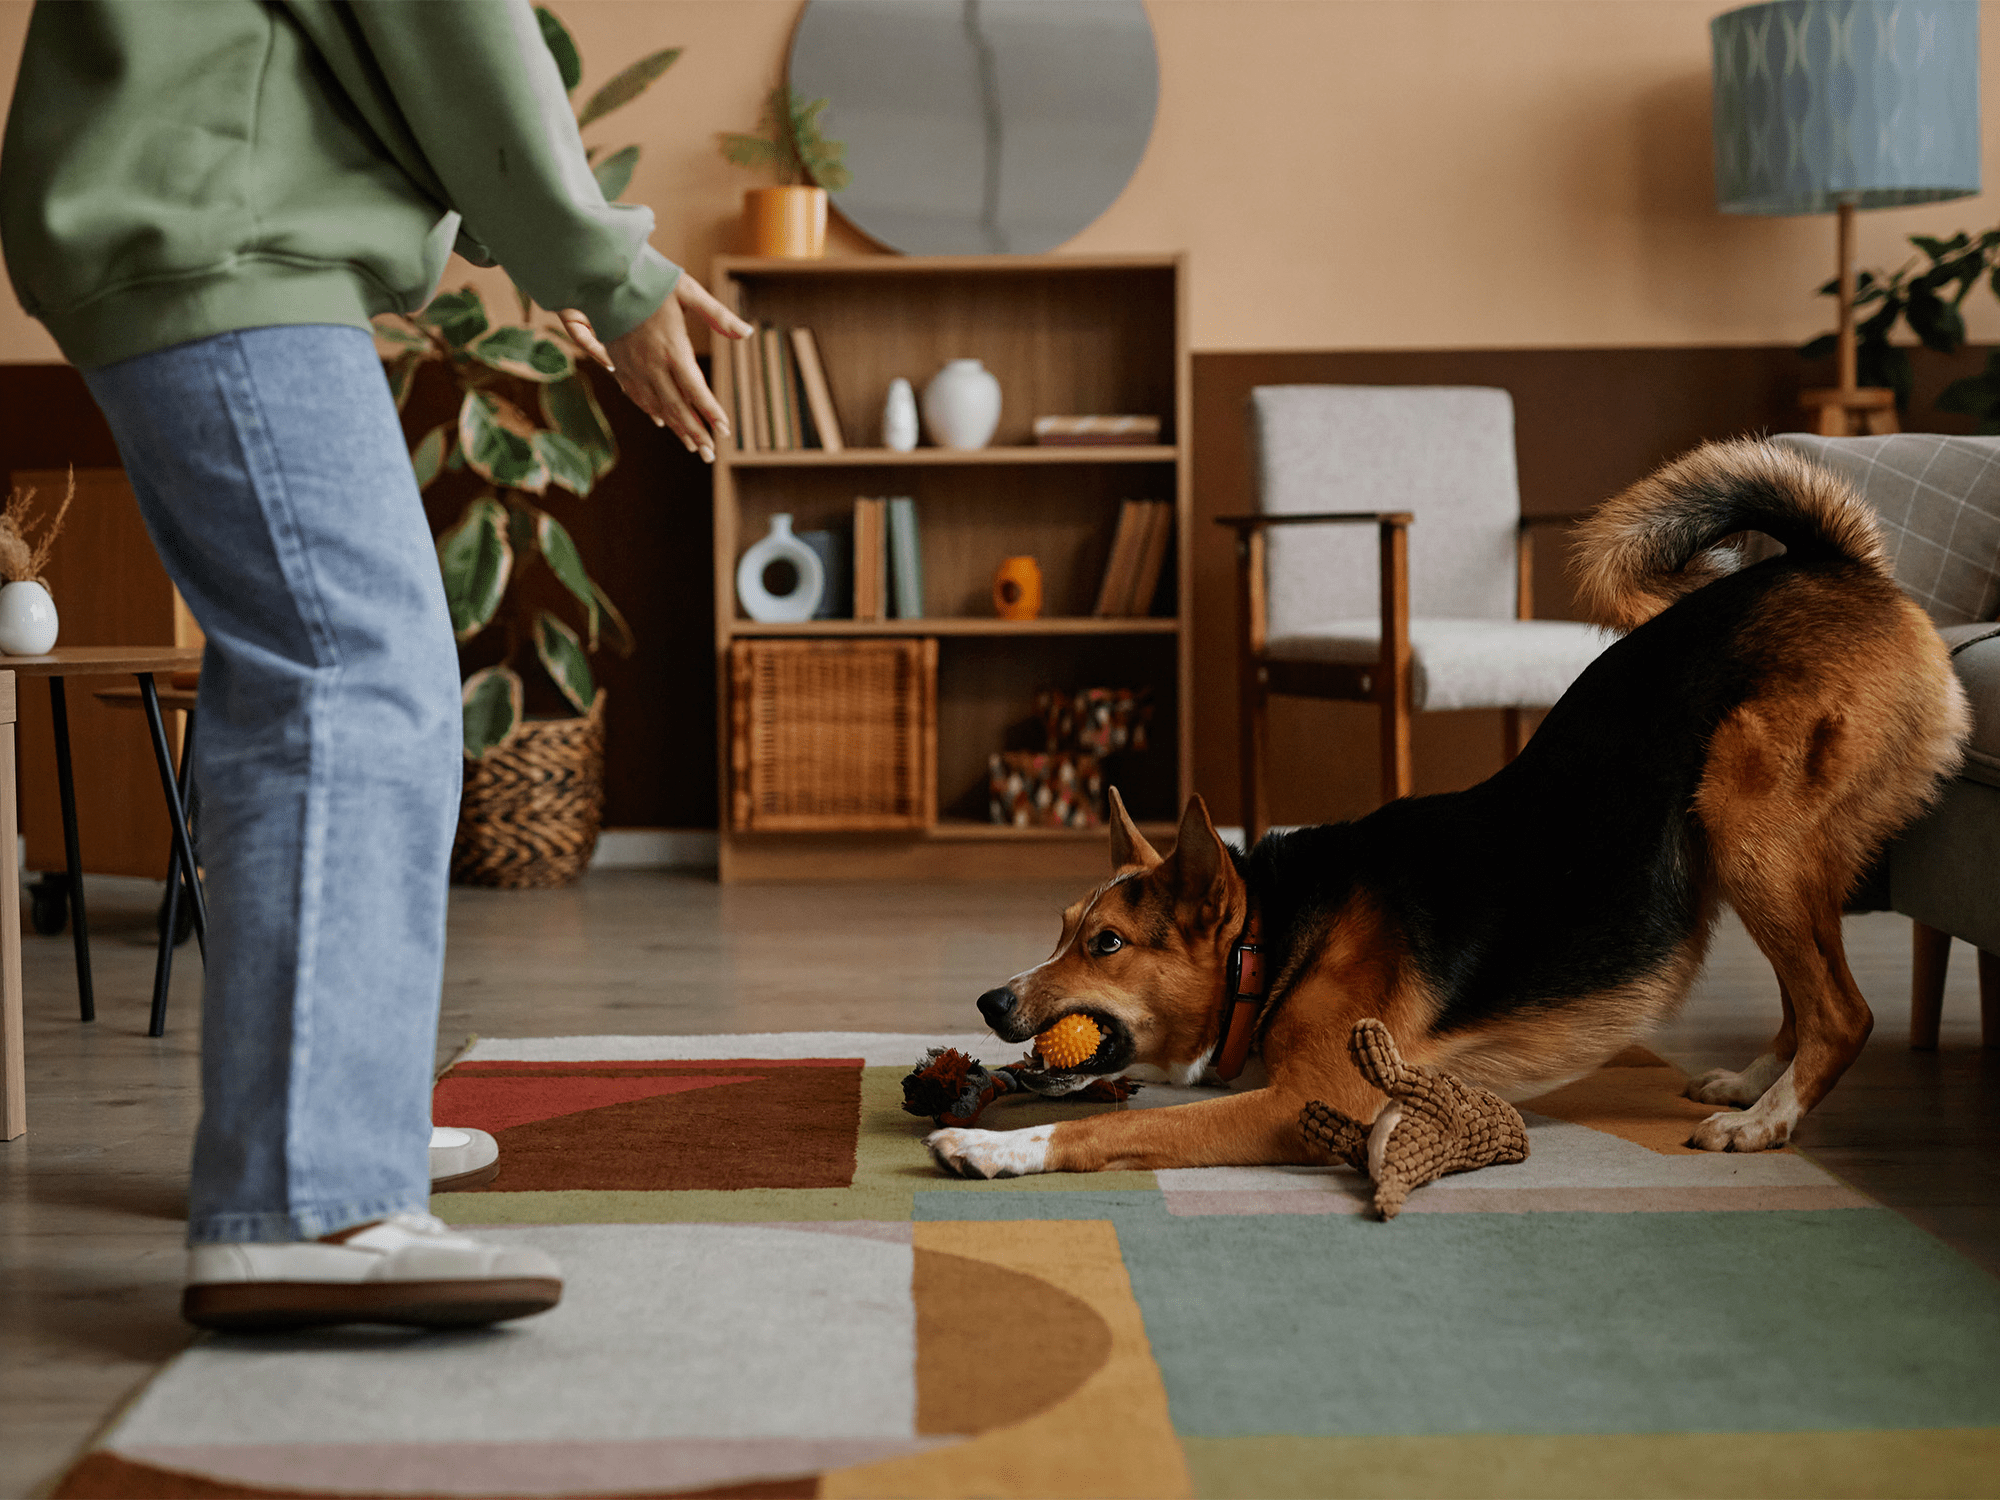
561	47
614	173
460	316
492	708
627	86
523	352
499	444
427	458
402	371
563	657
391	331
558	549
616	628
571	408
476	562
568	465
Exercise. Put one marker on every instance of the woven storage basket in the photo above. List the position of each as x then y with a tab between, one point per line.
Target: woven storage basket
532	808
833	735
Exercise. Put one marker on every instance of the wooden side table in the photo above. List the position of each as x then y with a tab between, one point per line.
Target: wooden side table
105	661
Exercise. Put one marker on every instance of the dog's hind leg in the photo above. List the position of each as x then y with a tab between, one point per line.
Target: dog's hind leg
1742	1089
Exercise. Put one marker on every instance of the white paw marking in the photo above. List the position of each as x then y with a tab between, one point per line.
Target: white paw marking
1765	1124
1721	1086
991	1153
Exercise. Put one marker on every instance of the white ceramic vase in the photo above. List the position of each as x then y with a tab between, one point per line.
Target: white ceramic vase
780	545
27	620
962	405
899	416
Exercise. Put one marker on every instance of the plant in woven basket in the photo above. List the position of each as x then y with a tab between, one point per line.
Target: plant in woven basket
527	422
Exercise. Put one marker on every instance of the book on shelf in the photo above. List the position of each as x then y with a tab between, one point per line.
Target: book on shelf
819	398
771	370
871	561
1096	432
906	562
1138	553
788	382
740	366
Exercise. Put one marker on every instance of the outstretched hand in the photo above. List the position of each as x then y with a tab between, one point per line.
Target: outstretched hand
654	363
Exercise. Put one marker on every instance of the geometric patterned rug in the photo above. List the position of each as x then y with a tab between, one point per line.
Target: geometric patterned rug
772	1292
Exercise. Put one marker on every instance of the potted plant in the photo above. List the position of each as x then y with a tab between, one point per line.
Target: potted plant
527	422
788	220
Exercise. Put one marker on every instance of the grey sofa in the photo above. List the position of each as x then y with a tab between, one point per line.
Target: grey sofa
1939	501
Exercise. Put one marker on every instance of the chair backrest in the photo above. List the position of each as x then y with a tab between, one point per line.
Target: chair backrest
1444	453
1938	499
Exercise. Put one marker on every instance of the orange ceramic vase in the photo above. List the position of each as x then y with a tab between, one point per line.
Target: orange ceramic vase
1017	589
785	221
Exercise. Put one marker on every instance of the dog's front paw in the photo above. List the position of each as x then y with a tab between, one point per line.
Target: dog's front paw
1741	1132
1721	1086
991	1153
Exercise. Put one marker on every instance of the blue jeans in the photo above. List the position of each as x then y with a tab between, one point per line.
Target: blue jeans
272	473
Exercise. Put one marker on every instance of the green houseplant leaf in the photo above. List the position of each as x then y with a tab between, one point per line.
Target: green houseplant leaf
628	85
570	406
476	562
563	657
514	350
558	549
460	316
614	173
616	626
492	708
427	458
568	465
562	47
498	440
402	373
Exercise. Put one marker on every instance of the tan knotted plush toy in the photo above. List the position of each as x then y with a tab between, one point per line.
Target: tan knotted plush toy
1432	1124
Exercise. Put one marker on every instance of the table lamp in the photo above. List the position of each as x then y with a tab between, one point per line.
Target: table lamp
1846	104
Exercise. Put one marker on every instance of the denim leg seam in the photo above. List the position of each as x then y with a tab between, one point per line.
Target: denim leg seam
274	498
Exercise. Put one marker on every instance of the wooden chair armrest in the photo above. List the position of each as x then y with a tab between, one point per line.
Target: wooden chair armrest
1246	524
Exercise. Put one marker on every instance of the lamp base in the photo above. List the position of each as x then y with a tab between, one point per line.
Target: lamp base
1863	411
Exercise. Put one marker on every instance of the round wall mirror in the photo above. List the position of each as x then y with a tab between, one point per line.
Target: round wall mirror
979	127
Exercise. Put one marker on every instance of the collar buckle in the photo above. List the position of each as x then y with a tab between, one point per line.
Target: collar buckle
1243	998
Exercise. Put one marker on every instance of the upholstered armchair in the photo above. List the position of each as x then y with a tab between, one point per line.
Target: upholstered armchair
1939	502
1389	563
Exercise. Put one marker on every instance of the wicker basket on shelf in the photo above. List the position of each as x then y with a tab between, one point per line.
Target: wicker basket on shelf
833	735
533	807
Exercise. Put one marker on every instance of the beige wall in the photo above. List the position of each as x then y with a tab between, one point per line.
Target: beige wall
1375	174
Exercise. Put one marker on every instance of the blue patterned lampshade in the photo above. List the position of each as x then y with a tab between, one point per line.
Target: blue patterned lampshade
1870	102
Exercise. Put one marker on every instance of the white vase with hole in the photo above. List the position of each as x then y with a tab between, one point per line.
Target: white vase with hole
27	620
899	417
962	405
789	606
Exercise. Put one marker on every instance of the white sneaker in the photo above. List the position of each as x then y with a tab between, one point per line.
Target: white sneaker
406	1268
462	1158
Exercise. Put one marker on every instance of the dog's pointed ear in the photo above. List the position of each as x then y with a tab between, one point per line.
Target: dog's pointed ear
1128	845
1203	873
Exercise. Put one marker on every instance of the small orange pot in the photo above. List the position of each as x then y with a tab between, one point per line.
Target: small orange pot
785	221
1017	589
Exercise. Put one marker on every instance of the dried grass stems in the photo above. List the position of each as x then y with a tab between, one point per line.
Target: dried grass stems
25	540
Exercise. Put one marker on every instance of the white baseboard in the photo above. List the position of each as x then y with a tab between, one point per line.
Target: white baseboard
655	849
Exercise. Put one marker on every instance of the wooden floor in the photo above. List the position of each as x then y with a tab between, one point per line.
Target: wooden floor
90	1231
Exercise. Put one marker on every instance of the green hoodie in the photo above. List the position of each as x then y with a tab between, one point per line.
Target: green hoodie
179	168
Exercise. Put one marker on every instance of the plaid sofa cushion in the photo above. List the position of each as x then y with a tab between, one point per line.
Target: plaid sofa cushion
1939	502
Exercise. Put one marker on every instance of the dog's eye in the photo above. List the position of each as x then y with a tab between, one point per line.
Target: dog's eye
1104	944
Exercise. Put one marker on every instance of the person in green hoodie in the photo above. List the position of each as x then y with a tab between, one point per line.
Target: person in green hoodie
205	203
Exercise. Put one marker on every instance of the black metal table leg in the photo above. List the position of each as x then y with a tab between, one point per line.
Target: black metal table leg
163	966
176	814
72	855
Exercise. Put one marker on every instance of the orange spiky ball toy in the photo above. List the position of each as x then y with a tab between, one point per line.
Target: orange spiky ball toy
1069	1043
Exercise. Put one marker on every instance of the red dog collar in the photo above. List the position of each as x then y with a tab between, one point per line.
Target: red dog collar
1242	997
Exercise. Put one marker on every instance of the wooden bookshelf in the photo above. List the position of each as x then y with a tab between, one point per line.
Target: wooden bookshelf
1064	335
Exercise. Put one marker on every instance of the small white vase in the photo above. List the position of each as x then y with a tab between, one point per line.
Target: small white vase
899	416
962	405
27	620
780	545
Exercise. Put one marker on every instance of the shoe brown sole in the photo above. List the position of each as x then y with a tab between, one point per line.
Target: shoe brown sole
477	1177
266	1306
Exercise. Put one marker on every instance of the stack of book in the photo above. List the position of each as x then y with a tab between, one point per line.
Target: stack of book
1138	557
888	560
782	400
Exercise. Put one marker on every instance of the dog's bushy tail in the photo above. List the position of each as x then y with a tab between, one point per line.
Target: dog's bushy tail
1640	551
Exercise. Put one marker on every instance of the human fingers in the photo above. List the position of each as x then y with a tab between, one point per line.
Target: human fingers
577	326
692	294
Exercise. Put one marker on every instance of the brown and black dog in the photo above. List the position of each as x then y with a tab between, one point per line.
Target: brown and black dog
1754	739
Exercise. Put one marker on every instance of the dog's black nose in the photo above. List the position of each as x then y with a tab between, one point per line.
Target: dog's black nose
997	1005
